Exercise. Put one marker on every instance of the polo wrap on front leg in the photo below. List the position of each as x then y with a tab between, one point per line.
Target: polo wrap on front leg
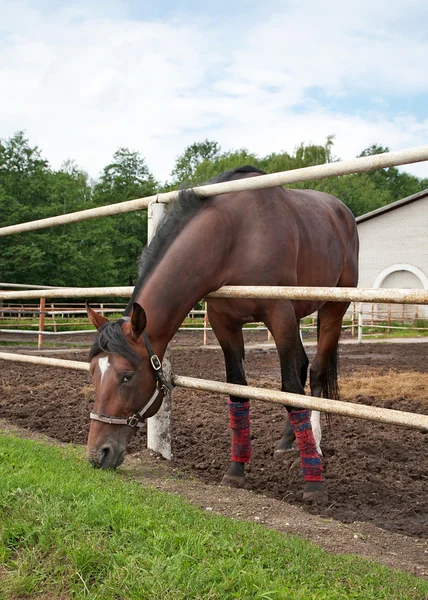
309	458
239	413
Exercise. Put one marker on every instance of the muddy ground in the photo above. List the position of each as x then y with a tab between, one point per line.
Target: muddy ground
374	473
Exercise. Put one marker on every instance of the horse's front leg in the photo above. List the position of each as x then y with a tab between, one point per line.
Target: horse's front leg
231	341
285	444
282	323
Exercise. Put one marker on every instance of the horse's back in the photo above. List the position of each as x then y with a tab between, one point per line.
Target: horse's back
276	229
280	236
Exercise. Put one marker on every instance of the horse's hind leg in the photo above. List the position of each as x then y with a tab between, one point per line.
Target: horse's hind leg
229	335
323	372
285	444
282	322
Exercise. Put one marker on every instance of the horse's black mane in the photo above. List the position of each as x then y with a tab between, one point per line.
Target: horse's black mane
110	337
231	173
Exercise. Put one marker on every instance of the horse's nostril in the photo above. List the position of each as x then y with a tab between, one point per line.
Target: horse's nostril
105	454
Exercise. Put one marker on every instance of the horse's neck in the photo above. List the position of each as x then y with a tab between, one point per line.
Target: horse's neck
190	269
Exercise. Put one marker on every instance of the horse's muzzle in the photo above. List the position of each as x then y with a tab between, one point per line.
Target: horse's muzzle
108	456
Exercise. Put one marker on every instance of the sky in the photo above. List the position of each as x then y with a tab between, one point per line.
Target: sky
85	78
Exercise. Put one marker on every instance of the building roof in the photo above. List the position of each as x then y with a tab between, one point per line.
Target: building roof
398	204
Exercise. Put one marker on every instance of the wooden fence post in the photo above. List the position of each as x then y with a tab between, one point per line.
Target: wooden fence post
353	320
41	323
360	322
389	318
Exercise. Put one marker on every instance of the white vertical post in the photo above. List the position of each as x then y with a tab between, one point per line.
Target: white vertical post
205	324
159	426
360	322
41	323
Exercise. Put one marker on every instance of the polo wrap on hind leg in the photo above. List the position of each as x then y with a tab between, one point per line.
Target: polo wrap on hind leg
309	458
239	413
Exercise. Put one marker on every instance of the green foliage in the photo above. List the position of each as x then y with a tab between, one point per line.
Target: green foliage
103	252
99	252
362	193
126	178
395	183
195	154
67	530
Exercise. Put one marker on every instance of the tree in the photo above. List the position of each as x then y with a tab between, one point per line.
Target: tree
127	177
187	163
68	255
23	174
398	184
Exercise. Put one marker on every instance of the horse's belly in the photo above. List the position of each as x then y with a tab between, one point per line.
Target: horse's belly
304	308
255	310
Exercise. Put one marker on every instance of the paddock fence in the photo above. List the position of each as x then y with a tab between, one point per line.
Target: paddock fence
156	208
21	320
70	319
392	296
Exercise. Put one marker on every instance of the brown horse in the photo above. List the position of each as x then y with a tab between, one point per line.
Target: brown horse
271	236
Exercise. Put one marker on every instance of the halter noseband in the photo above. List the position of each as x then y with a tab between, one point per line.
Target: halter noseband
162	385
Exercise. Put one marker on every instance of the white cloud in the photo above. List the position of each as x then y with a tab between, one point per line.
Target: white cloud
82	83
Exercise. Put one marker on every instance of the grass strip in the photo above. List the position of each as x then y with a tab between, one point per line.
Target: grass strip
67	531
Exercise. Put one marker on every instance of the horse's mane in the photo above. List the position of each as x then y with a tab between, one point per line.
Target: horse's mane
180	212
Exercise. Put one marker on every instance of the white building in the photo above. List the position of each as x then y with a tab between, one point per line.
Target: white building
394	248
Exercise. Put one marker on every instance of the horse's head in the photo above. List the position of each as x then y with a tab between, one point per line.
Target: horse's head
128	385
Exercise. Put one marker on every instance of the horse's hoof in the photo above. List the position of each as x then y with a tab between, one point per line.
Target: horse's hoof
234	481
314	491
284	446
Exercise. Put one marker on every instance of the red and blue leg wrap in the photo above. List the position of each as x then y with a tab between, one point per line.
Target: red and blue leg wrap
309	458
240	424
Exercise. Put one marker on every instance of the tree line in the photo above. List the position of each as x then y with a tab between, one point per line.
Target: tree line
104	252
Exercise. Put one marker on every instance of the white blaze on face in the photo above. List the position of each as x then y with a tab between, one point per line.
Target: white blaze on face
103	364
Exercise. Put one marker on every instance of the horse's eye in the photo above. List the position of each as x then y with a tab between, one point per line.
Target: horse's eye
126	377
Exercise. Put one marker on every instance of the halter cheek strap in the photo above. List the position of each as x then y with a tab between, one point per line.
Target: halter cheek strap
162	386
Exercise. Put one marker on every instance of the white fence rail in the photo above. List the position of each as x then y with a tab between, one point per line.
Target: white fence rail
319	294
349	409
357	165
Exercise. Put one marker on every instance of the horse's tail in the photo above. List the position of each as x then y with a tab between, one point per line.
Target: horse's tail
331	385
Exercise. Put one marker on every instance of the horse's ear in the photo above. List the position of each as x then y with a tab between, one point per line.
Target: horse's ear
138	319
95	318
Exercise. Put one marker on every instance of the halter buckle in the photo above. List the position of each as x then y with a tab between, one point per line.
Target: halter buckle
133	421
156	363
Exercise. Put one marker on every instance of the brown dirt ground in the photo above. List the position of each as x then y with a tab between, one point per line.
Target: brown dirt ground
376	474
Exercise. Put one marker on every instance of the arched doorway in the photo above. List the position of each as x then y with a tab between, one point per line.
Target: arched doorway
402	276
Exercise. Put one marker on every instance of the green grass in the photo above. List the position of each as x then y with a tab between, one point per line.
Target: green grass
67	530
382	332
61	324
58	344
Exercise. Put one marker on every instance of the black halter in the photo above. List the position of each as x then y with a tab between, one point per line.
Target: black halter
162	386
